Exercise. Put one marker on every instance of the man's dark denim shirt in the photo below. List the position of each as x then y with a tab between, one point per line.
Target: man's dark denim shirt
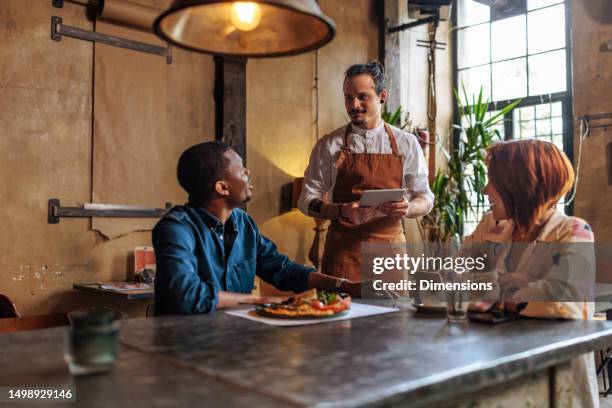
194	263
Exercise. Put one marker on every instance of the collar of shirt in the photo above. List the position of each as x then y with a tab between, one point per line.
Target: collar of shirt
503	231
368	133
214	223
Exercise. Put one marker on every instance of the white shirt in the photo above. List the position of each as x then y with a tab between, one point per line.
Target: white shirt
320	175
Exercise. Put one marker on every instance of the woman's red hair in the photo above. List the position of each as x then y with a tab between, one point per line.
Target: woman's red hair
530	175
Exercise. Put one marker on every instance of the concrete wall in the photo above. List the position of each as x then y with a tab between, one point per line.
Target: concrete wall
592	93
411	84
46	152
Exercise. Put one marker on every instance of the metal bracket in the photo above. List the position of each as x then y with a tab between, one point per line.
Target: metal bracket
427	44
58	29
598	118
432	19
55	211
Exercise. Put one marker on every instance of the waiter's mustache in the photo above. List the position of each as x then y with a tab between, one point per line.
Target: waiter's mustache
353	111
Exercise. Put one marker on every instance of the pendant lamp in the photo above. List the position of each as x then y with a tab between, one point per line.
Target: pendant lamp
262	28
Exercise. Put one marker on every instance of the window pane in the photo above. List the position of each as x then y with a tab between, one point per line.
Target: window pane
542	111
557	125
509	79
543	127
558	141
473	79
471	13
526	113
555	109
527	129
546	29
535	4
508	38
546	73
473	46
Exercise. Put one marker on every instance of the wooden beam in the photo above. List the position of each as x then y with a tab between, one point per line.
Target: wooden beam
230	103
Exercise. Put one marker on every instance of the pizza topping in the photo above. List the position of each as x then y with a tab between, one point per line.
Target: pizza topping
311	303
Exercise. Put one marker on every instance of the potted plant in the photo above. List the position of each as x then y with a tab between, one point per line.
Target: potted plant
465	176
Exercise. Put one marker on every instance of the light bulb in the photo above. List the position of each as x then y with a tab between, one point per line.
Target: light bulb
245	16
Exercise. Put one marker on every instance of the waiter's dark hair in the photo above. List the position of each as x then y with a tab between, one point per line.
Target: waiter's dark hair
372	68
200	167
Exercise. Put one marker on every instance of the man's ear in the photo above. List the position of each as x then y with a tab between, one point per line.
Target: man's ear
383	96
222	188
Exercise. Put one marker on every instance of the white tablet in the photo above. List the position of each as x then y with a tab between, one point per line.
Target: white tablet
372	198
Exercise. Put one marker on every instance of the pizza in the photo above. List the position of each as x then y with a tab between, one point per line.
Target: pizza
310	304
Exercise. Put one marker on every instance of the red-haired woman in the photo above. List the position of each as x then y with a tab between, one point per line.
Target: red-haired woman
539	265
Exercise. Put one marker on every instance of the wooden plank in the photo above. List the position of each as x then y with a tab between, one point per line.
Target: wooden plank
13	324
125	294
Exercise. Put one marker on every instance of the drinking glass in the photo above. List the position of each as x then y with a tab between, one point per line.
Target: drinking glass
92	341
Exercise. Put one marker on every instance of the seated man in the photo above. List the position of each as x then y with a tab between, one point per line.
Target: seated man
208	251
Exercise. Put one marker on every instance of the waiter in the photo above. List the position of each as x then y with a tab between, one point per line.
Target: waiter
366	154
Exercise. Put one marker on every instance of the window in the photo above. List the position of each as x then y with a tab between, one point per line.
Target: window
525	57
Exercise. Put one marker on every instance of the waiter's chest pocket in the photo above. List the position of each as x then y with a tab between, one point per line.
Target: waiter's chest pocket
242	275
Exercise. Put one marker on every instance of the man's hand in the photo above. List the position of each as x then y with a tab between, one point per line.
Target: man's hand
231	299
352	288
396	209
359	215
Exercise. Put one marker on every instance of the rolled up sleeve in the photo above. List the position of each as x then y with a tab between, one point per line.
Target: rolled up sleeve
416	179
178	287
317	177
278	270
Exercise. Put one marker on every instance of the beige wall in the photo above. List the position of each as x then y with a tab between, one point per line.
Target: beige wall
592	94
46	152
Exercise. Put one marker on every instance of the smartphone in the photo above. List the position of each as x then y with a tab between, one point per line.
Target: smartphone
492	318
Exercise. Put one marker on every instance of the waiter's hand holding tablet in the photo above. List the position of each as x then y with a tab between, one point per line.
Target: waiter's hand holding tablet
374	198
375	204
392	203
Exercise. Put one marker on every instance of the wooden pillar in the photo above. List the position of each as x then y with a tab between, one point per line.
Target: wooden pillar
391	54
230	103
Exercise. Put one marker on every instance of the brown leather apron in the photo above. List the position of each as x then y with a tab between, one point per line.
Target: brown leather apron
358	172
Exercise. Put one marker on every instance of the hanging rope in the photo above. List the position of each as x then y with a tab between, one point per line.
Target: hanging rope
431	58
584	132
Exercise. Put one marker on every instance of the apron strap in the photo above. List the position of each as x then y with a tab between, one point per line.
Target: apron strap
392	141
345	146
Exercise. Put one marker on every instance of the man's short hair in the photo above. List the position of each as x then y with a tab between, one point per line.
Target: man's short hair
200	167
373	69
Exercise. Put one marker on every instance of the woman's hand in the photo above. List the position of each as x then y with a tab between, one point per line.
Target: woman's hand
513	281
396	209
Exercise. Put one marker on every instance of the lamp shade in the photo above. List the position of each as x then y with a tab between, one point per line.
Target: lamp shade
261	28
